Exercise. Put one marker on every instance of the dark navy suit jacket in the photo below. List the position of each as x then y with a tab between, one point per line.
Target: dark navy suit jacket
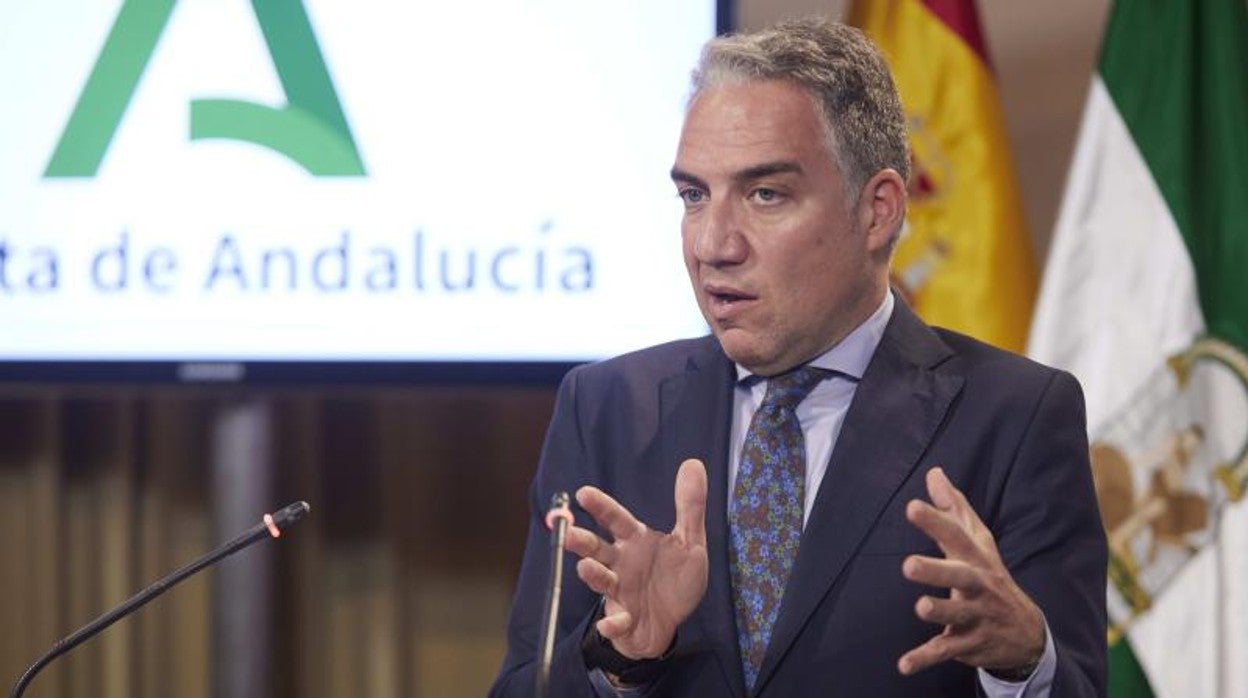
1009	433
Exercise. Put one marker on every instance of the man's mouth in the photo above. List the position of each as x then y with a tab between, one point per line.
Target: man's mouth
725	292
723	300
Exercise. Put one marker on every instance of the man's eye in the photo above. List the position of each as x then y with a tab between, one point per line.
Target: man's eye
692	196
765	195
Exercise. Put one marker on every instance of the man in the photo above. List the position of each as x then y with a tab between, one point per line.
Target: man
801	555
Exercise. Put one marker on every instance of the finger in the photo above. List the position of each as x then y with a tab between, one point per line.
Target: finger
597	577
949	574
938	488
945	495
615	625
587	544
691	502
939	649
950	499
958	614
609	513
941	527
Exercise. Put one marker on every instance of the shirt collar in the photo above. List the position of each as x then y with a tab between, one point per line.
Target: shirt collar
850	356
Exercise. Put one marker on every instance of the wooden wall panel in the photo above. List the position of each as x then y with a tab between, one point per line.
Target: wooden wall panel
396	585
31	563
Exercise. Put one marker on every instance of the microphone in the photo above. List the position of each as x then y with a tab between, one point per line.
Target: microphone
271	525
557	520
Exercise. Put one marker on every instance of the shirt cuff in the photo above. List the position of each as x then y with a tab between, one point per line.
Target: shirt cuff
1036	686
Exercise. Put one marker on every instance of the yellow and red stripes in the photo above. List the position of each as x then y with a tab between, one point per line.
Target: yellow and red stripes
966	261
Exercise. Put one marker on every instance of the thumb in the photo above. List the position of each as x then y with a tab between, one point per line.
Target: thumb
691	502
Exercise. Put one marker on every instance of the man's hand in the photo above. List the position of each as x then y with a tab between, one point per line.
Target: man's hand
989	622
652	581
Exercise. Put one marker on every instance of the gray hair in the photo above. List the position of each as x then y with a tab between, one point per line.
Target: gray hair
842	71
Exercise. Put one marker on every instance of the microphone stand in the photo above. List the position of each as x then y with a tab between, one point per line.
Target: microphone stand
272	526
557	520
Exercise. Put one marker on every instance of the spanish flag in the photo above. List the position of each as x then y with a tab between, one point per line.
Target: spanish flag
965	260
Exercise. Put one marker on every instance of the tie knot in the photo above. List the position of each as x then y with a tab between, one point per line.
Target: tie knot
786	390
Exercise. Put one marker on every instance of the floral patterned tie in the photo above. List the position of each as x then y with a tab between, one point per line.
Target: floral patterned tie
765	515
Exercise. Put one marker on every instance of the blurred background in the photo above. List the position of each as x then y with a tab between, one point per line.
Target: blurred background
398	583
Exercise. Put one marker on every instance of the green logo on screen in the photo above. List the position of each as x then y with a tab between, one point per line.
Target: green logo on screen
310	130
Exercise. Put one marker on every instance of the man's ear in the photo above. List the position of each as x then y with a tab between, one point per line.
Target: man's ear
882	208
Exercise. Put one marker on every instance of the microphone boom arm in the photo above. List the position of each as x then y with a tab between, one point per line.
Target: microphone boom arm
272	526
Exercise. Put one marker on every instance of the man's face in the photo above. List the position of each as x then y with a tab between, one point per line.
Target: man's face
780	260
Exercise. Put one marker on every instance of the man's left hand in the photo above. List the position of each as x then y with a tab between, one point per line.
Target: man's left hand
989	622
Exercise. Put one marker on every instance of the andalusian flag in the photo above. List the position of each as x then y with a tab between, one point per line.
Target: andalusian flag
1145	299
965	260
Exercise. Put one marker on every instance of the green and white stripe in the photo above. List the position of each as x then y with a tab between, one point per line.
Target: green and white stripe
1149	262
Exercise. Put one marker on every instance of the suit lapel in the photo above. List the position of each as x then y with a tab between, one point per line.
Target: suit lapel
893	417
696	414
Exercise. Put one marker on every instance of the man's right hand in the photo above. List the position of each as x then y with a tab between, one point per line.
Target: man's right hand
651	581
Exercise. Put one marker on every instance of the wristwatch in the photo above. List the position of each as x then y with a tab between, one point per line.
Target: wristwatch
599	653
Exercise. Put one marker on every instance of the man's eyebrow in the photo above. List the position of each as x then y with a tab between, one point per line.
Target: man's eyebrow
750	173
679	176
767	169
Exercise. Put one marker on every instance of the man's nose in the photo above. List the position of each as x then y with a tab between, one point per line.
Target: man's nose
719	237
